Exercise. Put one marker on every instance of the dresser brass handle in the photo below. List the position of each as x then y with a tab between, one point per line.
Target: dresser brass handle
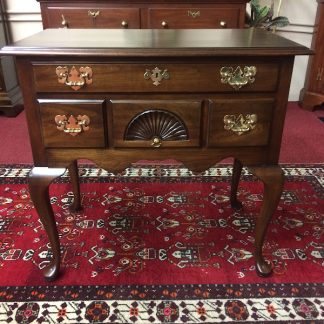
93	14
240	124
64	22
156	142
74	78
72	125
124	24
156	75
223	24
319	74
238	78
164	24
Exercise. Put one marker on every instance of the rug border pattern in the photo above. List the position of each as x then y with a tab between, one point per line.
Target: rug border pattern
284	303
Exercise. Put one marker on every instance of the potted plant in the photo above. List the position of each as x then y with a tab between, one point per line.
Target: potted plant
263	16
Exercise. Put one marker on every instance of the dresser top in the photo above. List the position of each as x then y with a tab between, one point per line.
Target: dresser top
155	42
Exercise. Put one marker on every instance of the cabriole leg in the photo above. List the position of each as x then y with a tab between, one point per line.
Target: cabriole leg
237	170
273	180
39	180
74	176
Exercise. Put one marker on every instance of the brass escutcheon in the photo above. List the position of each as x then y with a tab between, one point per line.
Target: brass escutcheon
74	78
156	75
240	124
72	125
238	78
193	14
93	14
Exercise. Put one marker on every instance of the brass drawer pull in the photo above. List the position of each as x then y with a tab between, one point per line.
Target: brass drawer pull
240	124
74	78
124	24
156	142
238	78
223	24
164	24
93	14
156	75
64	22
72	125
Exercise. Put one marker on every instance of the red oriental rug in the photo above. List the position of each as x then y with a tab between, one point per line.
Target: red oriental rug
157	244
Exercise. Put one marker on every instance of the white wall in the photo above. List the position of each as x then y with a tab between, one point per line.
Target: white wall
301	14
25	20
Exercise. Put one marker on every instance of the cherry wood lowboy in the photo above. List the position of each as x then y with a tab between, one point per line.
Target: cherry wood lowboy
119	96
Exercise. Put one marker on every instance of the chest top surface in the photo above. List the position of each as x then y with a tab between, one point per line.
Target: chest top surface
154	42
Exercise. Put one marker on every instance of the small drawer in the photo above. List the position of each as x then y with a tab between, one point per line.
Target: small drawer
72	123
156	123
93	17
240	122
244	76
174	18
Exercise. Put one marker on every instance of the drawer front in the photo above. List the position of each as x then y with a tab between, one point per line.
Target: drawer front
72	123
159	77
240	122
156	123
174	18
93	17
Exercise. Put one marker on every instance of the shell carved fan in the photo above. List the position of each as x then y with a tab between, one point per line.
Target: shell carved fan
156	124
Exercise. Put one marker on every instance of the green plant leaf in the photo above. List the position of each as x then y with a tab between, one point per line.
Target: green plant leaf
261	16
277	22
255	4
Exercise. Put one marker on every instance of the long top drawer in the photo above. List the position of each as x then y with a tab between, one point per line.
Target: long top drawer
157	77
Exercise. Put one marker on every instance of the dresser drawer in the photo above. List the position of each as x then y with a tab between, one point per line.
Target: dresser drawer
213	17
244	122
93	17
156	123
157	77
72	123
183	14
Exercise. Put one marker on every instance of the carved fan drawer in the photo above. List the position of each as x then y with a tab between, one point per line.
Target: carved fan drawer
174	18
156	123
93	17
161	77
240	122
72	123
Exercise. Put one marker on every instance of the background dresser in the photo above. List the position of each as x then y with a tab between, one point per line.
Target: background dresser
117	96
10	94
312	94
143	14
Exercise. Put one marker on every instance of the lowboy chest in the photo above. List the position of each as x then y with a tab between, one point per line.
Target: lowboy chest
118	96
